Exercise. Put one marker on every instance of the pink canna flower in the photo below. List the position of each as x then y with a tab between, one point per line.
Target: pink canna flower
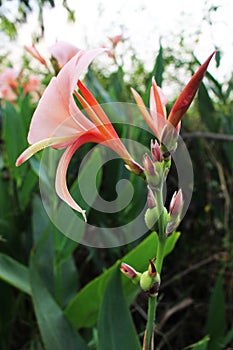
32	83
116	39
156	118
58	122
62	52
9	77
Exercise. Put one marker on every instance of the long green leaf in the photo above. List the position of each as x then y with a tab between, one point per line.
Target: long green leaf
83	310
14	273
216	322
115	326
56	331
200	345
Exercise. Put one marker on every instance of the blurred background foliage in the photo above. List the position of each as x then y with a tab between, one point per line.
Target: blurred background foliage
51	286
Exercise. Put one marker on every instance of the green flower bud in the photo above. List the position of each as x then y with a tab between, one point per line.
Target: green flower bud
146	281
151	217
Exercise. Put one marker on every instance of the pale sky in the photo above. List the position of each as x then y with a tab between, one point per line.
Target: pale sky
143	22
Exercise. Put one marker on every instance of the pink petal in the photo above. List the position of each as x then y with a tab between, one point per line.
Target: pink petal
38	146
60	182
69	75
62	52
51	112
57	103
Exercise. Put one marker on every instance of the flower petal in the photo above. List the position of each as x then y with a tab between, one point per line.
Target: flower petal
36	147
57	103
60	182
62	52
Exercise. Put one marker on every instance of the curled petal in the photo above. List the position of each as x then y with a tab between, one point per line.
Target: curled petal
36	147
60	182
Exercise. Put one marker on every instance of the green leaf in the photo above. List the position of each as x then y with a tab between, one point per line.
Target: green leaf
115	326
227	338
206	109
216	322
83	310
200	345
14	273
157	72
56	331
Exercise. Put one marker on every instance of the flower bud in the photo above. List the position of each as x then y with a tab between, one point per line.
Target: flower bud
151	217
155	151
175	211
150	279
176	204
169	140
148	165
150	198
152	176
130	272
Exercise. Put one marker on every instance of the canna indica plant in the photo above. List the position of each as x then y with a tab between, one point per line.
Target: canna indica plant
59	122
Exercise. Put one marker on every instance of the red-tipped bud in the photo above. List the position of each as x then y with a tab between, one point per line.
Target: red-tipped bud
175	211
155	151
152	269
187	95
128	271
150	198
176	204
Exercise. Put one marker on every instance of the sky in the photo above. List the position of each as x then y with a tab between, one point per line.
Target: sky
144	23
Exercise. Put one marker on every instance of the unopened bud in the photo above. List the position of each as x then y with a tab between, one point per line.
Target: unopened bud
176	204
175	211
151	217
152	269
148	165
155	151
150	198
130	272
152	176
169	140
150	279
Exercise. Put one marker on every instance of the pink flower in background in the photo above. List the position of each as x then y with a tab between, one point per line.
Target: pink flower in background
32	84
10	82
115	40
62	52
35	53
156	118
6	93
9	77
58	122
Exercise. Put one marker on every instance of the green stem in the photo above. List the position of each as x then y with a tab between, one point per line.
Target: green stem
152	301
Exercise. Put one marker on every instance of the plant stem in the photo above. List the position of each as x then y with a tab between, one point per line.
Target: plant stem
152	301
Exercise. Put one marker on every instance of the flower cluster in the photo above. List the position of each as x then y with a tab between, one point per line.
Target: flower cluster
59	122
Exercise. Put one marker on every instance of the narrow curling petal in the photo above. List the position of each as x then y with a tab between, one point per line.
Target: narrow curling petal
36	147
60	182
